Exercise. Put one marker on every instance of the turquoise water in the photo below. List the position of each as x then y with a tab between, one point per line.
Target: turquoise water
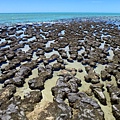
13	18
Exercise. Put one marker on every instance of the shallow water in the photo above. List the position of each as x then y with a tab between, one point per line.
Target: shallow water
108	108
26	48
48	55
99	68
111	54
34	57
1	85
47	94
31	39
102	45
2	40
81	51
49	42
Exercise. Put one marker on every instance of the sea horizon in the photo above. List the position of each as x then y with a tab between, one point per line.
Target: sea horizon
57	12
37	17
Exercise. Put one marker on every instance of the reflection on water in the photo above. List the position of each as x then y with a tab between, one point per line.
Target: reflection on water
48	55
102	45
34	56
31	39
2	40
49	42
111	54
26	48
81	51
61	33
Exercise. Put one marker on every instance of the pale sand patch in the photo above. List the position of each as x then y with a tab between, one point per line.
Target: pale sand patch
47	99
34	115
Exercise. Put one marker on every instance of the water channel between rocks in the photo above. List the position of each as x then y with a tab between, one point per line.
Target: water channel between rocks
47	94
49	83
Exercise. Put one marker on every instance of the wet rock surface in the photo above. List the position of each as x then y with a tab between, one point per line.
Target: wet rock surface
116	111
92	77
114	94
9	105
30	99
84	59
87	107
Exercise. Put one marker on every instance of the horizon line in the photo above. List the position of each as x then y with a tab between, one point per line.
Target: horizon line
57	12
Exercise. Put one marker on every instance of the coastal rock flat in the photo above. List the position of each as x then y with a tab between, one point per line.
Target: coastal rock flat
60	71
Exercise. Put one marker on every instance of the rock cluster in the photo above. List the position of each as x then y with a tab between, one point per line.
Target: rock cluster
49	47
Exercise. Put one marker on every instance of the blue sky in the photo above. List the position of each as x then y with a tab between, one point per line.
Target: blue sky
15	6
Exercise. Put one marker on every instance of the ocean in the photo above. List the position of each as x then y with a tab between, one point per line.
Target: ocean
15	18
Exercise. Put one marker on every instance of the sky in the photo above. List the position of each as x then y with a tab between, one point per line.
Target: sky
20	6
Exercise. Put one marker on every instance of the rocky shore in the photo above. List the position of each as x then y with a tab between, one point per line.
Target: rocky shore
60	71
